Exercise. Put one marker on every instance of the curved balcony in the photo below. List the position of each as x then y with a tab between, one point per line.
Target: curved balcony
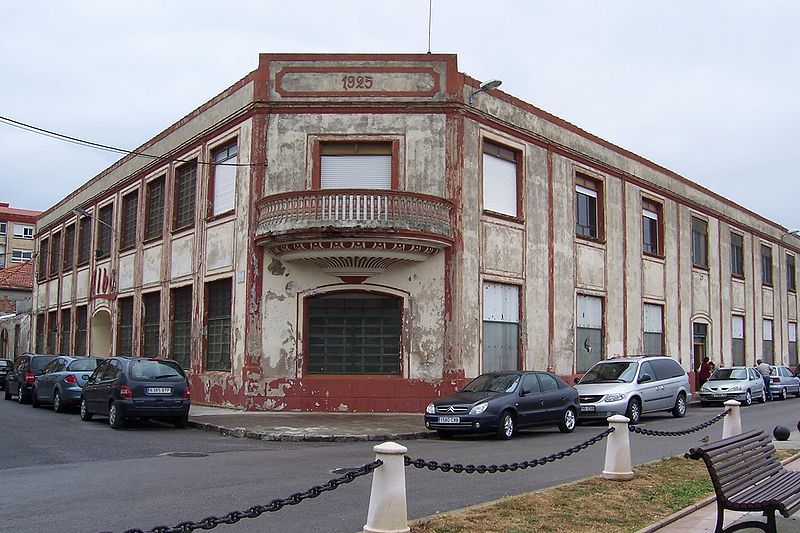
354	233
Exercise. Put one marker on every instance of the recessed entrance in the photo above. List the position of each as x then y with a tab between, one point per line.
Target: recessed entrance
101	334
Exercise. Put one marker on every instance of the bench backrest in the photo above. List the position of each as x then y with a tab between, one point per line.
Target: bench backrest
738	462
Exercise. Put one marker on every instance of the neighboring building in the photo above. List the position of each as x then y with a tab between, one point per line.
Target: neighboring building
16	291
16	234
365	232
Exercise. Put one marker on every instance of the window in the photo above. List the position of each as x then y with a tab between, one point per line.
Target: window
767	348
20	256
218	325
2	255
52	332
44	246
500	327
737	331
80	330
500	179
699	243
66	334
361	165
653	329
530	384
223	183
354	333
589	332
793	344
180	343
766	265
154	209
791	278
23	231
185	195
651	227
547	382
125	326
130	206
69	247
588	207
105	220
84	240
3	228
151	321
40	347
737	255
55	254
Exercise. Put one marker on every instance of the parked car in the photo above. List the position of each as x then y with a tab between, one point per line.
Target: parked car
19	382
5	368
127	387
633	385
782	381
503	402
62	381
741	383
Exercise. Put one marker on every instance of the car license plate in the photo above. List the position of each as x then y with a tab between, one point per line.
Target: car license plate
720	395
449	419
158	390
587	408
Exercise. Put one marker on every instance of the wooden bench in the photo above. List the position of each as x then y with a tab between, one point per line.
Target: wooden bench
747	476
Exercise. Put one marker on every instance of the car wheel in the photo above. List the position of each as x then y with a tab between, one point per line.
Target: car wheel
507	426
679	411
567	425
748	398
181	421
58	407
7	394
444	435
85	414
115	418
634	411
784	394
34	399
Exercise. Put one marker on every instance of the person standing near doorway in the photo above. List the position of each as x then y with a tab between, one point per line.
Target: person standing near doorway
764	369
705	370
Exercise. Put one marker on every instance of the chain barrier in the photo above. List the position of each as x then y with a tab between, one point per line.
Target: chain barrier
211	522
491	469
659	433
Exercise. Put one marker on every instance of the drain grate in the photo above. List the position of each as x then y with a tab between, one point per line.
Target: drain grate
185	454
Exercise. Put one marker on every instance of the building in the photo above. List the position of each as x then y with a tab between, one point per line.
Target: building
16	234
16	291
365	232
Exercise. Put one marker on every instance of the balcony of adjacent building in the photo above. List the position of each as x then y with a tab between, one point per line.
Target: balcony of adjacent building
354	233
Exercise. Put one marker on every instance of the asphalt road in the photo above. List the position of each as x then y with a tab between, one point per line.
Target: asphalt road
62	474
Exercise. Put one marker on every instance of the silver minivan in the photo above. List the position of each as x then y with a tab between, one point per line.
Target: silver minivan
633	385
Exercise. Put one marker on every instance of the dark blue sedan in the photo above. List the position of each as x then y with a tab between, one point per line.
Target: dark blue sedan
62	381
503	402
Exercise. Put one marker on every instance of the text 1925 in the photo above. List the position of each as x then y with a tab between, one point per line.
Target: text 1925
356	82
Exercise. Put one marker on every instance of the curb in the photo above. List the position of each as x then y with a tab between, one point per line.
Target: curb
243	433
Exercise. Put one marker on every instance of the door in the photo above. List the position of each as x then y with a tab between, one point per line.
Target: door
45	382
530	405
650	388
700	349
90	389
756	383
555	398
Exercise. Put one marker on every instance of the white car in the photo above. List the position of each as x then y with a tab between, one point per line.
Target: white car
741	383
782	382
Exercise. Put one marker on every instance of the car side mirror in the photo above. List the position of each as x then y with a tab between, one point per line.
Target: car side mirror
645	378
577	380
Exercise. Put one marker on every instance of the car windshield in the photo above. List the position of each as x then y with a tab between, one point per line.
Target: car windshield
5	362
83	365
155	370
728	373
493	383
616	372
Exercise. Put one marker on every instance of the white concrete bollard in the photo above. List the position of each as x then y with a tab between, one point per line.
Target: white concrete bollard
387	500
618	450
732	423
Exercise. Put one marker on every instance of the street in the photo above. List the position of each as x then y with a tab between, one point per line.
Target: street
62	474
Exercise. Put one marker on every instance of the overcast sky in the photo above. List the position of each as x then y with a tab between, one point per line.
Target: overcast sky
707	89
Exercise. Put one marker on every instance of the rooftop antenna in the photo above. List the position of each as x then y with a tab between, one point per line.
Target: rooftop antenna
430	14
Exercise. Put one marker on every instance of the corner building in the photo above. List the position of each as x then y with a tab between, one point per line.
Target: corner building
363	233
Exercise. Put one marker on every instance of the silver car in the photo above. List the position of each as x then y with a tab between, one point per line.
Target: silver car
741	383
631	386
782	382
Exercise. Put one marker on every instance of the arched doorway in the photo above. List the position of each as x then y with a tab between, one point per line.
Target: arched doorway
101	333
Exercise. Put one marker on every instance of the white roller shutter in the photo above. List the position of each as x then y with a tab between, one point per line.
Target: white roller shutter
224	187
653	321
500	302
792	331
499	185
590	312
737	326
356	172
767	330
648	214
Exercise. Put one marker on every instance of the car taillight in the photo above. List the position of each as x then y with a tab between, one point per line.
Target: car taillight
187	393
70	379
125	392
776	380
29	378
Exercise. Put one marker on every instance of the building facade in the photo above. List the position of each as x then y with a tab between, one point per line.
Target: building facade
17	235
365	232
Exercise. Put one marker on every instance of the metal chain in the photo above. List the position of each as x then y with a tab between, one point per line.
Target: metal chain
491	469
211	522
659	433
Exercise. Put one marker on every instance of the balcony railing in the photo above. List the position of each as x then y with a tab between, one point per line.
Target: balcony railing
352	210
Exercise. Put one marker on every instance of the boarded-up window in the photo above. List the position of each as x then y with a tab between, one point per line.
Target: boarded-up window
737	255
589	332
224	184
499	179
653	329
218	325
151	321
500	327
180	343
356	166
737	334
793	344
767	348
125	326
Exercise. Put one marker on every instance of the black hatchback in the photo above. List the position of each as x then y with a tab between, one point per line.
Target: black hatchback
127	387
503	402
19	381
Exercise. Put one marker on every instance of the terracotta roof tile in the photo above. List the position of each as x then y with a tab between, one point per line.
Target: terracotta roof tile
17	276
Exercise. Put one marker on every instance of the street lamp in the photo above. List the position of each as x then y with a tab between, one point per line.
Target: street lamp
491	84
84	213
795	232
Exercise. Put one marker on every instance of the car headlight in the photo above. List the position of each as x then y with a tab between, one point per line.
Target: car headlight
431	409
735	388
478	409
614	397
705	389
